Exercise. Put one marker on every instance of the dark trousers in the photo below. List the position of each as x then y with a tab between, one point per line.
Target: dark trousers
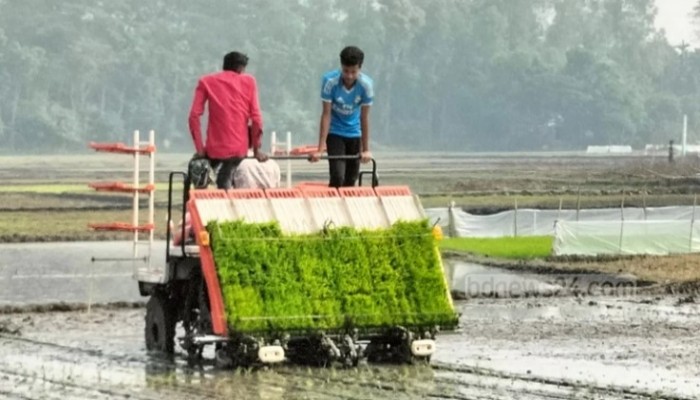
343	172
224	175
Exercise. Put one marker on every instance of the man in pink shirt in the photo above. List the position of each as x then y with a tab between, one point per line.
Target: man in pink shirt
235	122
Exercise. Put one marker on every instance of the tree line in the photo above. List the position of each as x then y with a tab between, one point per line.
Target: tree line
459	75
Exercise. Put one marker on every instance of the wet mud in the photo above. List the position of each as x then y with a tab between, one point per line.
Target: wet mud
558	348
522	336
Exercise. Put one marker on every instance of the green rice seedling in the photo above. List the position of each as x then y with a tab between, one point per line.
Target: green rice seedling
330	280
521	247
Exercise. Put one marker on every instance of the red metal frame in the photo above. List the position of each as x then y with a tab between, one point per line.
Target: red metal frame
298	151
318	190
121	226
121	148
216	301
304	150
386	191
120	187
283	193
246	194
208	194
357	191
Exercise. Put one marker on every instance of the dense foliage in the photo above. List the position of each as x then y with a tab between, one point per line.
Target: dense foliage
449	74
340	278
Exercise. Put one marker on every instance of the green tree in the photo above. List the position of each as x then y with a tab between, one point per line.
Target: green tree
458	75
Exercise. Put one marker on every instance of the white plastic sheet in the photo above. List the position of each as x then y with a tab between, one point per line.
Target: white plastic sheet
626	237
439	216
531	222
662	230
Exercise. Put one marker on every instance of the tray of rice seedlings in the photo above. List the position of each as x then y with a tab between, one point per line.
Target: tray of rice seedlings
334	280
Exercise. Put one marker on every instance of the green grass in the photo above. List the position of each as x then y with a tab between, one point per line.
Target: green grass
518	248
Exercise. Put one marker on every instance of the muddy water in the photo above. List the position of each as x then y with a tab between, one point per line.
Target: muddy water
468	280
506	348
473	280
39	273
636	344
552	347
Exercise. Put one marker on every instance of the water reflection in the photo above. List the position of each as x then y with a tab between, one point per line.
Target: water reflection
288	381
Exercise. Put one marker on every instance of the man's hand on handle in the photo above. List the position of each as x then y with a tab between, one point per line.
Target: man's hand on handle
315	157
365	157
260	156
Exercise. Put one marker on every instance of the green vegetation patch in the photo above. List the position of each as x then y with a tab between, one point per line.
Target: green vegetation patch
336	279
521	247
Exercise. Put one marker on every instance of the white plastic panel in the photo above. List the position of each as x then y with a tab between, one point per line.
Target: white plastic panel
253	210
401	208
293	215
215	210
311	214
329	210
367	212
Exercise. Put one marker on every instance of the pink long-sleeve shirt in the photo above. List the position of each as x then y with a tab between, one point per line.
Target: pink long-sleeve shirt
232	99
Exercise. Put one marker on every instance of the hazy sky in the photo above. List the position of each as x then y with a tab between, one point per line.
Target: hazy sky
674	17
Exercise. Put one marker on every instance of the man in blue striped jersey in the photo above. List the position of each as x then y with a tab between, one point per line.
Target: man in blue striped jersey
347	95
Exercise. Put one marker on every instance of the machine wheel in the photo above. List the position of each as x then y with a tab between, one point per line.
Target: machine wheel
394	347
350	352
160	324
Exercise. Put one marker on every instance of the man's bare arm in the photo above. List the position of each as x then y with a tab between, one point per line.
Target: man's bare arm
324	127
364	125
257	124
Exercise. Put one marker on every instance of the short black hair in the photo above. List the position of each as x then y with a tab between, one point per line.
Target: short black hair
235	61
351	56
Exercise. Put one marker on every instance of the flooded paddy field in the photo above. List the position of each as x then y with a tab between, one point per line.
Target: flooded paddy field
521	336
530	348
537	343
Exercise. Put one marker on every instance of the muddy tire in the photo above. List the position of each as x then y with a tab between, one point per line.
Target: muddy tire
160	324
